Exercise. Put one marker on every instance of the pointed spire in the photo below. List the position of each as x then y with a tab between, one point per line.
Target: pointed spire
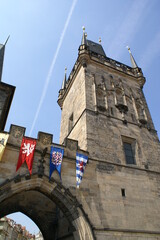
7	40
65	79
133	62
2	49
84	40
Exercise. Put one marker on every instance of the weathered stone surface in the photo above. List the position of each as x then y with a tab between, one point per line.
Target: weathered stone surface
108	108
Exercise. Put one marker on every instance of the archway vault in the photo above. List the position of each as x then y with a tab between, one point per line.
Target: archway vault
28	188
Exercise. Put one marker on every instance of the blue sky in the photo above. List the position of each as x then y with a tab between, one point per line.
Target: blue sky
44	39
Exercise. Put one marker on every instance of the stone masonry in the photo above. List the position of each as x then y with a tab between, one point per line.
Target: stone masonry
106	101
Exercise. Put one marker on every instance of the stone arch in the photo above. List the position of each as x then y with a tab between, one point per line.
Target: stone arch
18	187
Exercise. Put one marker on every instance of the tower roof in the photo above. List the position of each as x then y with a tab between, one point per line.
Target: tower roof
92	46
90	51
95	47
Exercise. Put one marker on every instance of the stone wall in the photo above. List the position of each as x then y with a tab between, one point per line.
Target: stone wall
106	141
75	104
110	214
35	195
122	200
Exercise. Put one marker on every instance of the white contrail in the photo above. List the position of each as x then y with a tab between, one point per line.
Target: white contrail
52	65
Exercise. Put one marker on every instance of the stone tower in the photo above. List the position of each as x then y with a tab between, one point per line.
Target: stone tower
105	110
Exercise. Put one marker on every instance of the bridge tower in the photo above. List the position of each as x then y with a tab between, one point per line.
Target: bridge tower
105	110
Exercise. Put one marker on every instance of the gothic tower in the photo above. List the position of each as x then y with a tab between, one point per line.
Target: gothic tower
105	110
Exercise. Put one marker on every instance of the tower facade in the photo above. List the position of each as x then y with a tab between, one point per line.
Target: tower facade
105	110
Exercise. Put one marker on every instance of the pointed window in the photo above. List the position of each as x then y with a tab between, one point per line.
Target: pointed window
129	147
128	153
112	113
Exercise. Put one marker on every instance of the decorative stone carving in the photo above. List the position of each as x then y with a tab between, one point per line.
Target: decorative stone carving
17	131
101	104
120	101
45	138
141	112
16	134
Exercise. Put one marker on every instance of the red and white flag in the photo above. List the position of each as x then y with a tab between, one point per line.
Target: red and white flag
26	153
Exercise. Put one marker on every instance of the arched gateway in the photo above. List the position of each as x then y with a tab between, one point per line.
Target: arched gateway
44	202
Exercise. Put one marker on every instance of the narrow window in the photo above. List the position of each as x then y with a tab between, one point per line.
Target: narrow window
128	153
112	111
123	192
133	117
70	126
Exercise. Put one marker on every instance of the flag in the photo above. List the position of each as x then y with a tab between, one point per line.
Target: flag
26	153
3	142
56	156
81	161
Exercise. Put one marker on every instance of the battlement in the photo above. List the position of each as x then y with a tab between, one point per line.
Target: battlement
136	72
44	140
85	56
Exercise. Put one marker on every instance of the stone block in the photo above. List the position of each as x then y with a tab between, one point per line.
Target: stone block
71	147
16	134
44	141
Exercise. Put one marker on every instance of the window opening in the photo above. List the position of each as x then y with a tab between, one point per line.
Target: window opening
112	111
123	192
128	153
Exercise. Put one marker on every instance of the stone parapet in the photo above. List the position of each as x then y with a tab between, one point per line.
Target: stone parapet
85	55
41	156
